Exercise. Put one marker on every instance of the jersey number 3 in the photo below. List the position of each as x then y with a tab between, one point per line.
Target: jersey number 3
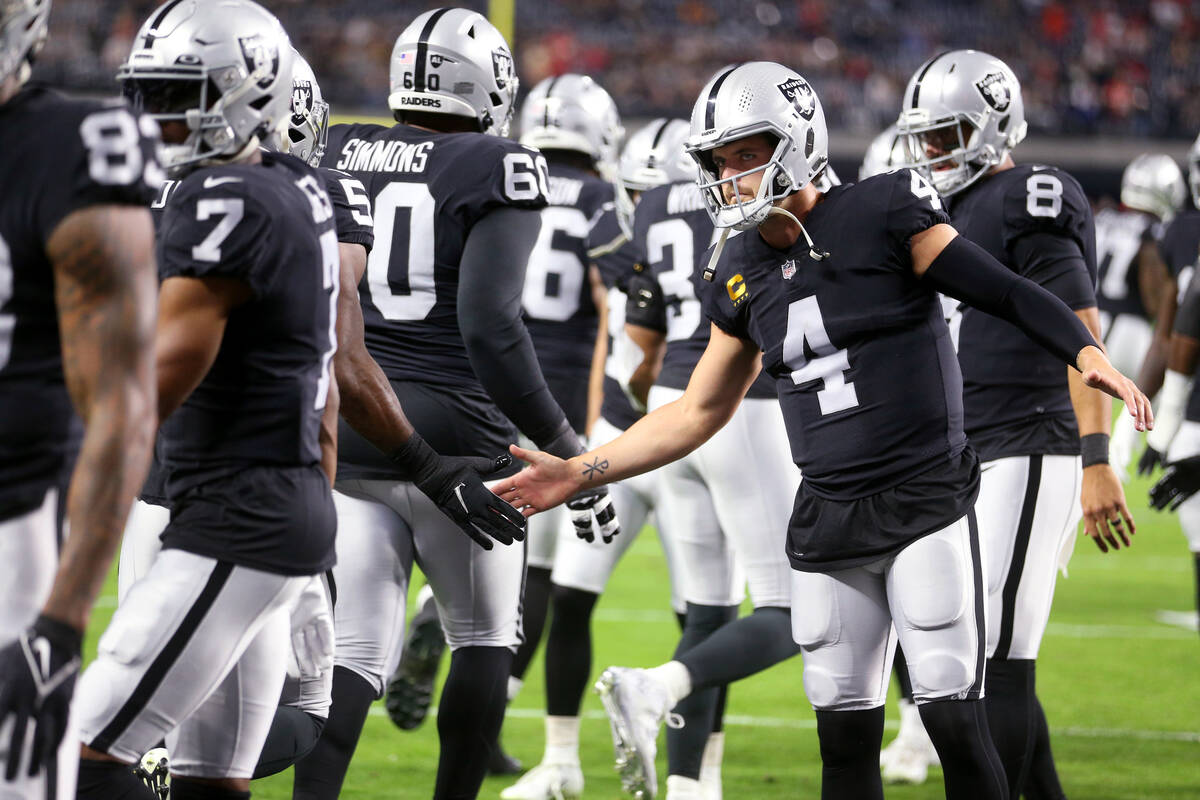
828	365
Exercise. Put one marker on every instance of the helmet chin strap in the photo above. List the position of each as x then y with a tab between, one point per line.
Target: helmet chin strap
813	253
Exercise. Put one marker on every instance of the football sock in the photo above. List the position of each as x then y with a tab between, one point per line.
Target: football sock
742	648
292	736
534	607
562	740
319	775
185	789
1041	782
110	780
685	746
959	730
850	754
470	713
1010	698
569	651
900	667
710	765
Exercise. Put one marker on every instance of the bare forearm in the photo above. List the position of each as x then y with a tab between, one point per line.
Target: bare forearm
368	402
1093	408
1184	352
1154	364
653	345
599	356
328	435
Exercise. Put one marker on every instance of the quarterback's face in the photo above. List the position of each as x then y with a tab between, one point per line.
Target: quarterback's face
741	156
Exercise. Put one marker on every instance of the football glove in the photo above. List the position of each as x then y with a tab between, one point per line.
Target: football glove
37	679
594	506
645	305
1151	460
1178	483
455	485
312	631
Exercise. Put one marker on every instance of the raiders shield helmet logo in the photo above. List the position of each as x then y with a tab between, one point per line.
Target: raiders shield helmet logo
302	102
995	90
801	96
502	65
261	58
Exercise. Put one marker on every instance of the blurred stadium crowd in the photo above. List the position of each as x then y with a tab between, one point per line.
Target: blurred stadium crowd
1110	67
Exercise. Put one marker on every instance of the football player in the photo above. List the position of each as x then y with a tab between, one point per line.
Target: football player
248	268
882	538
1041	433
1132	275
456	217
725	506
652	156
77	289
885	152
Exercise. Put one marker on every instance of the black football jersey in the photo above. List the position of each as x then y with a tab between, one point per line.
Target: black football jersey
615	266
857	345
57	156
1015	393
1179	245
674	232
270	225
559	312
427	191
1119	237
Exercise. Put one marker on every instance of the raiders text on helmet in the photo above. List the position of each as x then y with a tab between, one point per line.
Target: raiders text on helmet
223	68
1153	183
961	116
453	61
748	99
573	112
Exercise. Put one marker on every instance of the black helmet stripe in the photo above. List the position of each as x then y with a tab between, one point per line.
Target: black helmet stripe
711	112
423	48
921	76
546	109
149	42
658	136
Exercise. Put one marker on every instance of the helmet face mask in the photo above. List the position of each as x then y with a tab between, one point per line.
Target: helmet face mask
962	115
743	101
23	28
221	70
308	128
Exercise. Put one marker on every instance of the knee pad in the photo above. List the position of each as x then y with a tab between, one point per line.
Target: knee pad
941	598
940	674
815	621
821	687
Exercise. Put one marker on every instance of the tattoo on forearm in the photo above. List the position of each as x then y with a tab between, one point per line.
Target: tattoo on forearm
595	469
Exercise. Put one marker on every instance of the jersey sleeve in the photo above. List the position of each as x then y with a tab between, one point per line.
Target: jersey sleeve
1047	201
214	227
913	206
518	177
1178	243
351	208
614	254
107	156
724	298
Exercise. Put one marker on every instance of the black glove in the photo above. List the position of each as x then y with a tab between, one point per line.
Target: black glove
454	484
594	504
1151	460
645	306
1178	483
37	679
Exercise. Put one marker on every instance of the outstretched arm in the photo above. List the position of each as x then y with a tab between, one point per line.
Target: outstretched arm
719	382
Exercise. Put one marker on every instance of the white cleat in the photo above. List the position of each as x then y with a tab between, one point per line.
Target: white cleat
547	782
637	705
907	760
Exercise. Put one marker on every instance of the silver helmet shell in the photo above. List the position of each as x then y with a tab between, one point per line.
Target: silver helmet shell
23	26
1153	183
453	61
759	97
654	155
573	112
308	128
1194	171
886	151
223	68
962	115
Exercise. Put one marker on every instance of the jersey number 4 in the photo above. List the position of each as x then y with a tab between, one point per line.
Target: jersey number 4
828	364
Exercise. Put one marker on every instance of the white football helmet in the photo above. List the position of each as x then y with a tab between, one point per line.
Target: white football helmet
223	68
653	156
1194	171
748	99
23	25
1153	183
573	112
962	115
453	61
308	129
886	151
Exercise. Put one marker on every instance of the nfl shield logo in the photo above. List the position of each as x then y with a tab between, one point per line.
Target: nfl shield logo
788	269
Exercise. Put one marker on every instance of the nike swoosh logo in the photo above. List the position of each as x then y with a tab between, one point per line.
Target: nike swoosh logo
213	180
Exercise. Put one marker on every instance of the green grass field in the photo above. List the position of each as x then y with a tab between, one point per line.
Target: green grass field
1121	690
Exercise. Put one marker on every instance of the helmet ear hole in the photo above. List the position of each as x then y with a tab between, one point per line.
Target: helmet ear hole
260	103
1002	126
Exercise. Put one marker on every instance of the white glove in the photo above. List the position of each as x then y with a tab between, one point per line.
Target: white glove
312	632
1122	444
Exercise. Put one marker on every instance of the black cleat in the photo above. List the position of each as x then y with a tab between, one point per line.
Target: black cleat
410	689
501	763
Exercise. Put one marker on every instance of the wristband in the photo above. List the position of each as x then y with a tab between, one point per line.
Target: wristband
1094	449
59	633
415	459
